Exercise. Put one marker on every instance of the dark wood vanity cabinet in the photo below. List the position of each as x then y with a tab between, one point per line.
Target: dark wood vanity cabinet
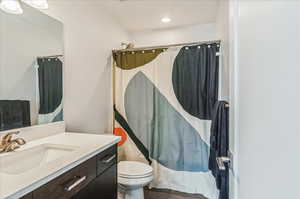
104	186
95	178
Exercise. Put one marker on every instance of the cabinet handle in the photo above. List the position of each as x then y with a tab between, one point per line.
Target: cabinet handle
108	160
75	184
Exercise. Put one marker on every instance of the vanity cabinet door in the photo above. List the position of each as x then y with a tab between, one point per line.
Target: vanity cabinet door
106	159
68	184
103	187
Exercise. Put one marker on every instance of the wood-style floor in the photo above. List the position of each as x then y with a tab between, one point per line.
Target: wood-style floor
168	194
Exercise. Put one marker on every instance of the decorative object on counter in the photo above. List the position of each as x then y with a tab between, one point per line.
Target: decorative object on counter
122	133
8	144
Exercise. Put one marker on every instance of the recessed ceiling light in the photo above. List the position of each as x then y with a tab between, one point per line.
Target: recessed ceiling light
39	4
11	6
166	20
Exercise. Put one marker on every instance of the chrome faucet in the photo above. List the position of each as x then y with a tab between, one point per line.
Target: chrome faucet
7	144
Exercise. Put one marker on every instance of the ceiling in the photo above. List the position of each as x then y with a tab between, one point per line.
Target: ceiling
141	15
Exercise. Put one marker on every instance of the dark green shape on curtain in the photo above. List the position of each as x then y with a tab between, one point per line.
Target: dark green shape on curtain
133	59
195	79
50	73
131	134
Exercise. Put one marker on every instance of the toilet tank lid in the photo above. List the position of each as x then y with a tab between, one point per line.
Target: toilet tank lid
133	168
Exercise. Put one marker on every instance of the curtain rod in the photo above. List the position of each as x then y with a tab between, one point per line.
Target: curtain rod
167	46
51	56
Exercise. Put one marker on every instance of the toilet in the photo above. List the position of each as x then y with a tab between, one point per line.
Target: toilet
132	177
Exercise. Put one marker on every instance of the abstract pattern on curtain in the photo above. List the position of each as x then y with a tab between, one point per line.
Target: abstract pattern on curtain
164	100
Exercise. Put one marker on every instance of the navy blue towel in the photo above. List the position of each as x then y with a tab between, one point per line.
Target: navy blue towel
219	143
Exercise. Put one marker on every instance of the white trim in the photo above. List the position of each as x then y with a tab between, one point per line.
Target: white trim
233	92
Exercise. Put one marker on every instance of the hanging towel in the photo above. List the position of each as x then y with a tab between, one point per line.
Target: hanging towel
14	114
219	144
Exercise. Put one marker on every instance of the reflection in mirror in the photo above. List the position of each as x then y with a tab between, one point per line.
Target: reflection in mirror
31	69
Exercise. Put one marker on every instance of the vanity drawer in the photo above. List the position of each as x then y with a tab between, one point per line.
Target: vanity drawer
68	184
106	159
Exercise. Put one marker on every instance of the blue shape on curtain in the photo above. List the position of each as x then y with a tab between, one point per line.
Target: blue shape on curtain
169	137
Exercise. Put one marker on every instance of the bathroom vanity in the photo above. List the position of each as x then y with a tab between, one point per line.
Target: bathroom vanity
53	165
91	179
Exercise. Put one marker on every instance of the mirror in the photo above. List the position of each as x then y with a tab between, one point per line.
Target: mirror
31	69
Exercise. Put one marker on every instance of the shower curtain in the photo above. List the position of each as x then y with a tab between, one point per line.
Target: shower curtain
163	102
49	90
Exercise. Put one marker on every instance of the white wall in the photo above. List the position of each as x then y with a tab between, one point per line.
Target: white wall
223	24
90	35
269	99
194	33
24	38
222	32
1	54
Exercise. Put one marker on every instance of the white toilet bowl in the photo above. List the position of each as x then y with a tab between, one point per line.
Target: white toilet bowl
132	177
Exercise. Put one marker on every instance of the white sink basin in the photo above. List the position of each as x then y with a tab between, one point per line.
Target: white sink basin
19	162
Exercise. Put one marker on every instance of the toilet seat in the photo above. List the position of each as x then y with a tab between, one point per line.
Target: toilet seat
132	177
134	182
134	170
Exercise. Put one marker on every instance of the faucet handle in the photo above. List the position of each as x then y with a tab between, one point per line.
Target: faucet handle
20	141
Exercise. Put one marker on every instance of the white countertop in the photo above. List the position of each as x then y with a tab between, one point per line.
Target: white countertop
87	146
